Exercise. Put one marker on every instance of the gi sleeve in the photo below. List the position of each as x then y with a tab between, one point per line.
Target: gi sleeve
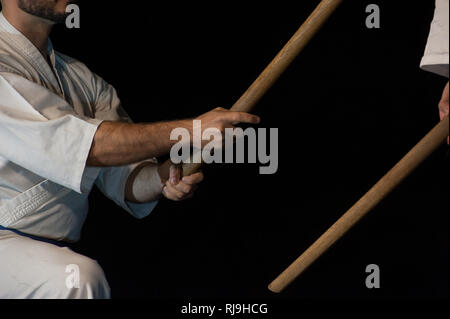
112	180
436	56
41	132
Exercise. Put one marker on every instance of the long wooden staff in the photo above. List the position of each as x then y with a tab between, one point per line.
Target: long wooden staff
279	64
384	186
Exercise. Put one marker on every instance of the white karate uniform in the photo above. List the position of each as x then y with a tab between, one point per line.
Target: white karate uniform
435	58
48	118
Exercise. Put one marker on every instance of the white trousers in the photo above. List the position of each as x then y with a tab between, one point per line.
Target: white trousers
35	269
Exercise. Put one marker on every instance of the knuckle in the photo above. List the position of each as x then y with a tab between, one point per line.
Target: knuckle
171	197
221	127
179	195
236	117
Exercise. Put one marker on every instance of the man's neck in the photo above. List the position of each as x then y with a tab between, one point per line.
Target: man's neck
35	29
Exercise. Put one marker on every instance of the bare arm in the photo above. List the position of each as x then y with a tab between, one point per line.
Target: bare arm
117	143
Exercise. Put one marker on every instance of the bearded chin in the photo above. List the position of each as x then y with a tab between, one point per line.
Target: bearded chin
43	9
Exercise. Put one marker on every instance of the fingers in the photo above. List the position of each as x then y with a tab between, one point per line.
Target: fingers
169	190
238	117
445	93
170	194
183	189
193	179
178	192
242	117
174	174
222	118
443	104
443	109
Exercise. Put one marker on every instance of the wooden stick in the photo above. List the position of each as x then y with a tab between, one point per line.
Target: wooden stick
384	186
279	64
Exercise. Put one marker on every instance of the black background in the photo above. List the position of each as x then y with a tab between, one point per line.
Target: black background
353	103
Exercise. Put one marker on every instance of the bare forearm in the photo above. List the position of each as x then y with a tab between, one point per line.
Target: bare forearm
117	143
123	143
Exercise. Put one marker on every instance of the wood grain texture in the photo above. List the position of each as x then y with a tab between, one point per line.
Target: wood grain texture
376	194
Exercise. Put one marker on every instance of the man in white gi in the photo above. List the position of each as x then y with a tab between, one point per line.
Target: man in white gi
436	54
62	130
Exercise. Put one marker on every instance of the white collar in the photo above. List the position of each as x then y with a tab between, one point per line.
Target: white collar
28	50
6	26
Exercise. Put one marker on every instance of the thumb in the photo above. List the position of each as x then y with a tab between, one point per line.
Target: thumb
175	172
